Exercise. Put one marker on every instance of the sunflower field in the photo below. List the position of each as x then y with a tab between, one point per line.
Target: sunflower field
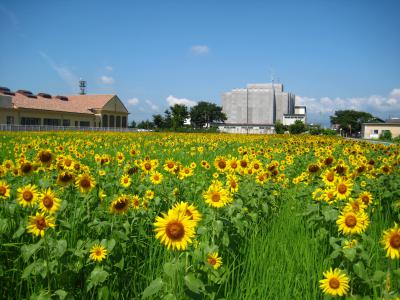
197	216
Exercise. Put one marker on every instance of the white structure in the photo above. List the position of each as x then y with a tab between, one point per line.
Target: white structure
256	108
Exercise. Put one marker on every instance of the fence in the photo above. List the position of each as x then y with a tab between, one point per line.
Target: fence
11	127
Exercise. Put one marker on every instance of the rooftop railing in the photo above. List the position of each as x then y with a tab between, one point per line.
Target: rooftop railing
11	127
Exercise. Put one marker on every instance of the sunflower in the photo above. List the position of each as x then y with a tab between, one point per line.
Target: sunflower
350	244
391	241
125	181
343	189
156	177
366	198
214	260
67	163
232	183
189	210
27	196
350	222
355	206
149	194
85	183
328	177
233	165
220	163
216	196
25	168
136	201
175	230
49	202
120	205
39	224
98	253
65	178
170	166
45	157
4	190
336	283
262	177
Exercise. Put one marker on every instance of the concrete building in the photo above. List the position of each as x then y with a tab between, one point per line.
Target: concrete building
374	130
300	113
26	108
257	107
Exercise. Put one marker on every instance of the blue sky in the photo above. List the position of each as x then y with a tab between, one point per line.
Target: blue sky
332	54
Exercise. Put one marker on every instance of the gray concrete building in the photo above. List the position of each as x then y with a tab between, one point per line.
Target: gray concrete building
256	106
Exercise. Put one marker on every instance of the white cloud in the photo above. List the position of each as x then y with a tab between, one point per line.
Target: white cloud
319	110
133	101
173	100
200	49
152	106
107	79
62	71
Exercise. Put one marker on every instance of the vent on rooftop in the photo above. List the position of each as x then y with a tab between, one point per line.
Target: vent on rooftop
63	98
25	92
44	95
4	89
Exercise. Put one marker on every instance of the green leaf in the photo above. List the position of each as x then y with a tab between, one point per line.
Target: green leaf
378	276
28	270
28	250
360	271
98	276
154	287
103	293
169	269
61	294
350	254
61	248
120	264
218	226
169	297
225	239
329	213
110	245
194	284
19	232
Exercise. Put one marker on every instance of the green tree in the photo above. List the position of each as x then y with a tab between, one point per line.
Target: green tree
280	128
179	113
297	127
204	113
350	120
145	125
386	135
158	121
132	124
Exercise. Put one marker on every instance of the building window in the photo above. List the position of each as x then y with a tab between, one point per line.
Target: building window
112	121
84	123
66	123
10	120
30	121
51	122
76	123
123	122
375	131
105	121
118	121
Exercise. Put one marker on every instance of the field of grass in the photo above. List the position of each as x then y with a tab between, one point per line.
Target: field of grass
197	216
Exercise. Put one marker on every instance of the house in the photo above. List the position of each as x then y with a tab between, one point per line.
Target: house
25	108
374	130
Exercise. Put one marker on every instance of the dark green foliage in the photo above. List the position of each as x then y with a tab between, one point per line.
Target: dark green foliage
205	113
297	127
350	120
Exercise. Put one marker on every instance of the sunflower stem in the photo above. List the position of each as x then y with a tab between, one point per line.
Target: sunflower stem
46	245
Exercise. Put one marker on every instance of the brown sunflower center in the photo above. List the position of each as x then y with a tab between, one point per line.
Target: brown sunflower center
45	156
395	241
3	190
27	195
221	164
98	252
175	230
40	223
233	184
147	166
334	283
121	205
234	165
66	177
342	188
26	168
351	221
170	165
212	261
67	162
48	201
365	199
215	197
85	183
313	168
126	180
243	164
330	177
328	161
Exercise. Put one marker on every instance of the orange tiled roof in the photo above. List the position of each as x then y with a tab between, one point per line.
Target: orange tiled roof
75	104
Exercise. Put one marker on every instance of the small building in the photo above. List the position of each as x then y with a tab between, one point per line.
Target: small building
300	113
25	108
374	130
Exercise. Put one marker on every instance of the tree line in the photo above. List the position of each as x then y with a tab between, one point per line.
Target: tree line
202	115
